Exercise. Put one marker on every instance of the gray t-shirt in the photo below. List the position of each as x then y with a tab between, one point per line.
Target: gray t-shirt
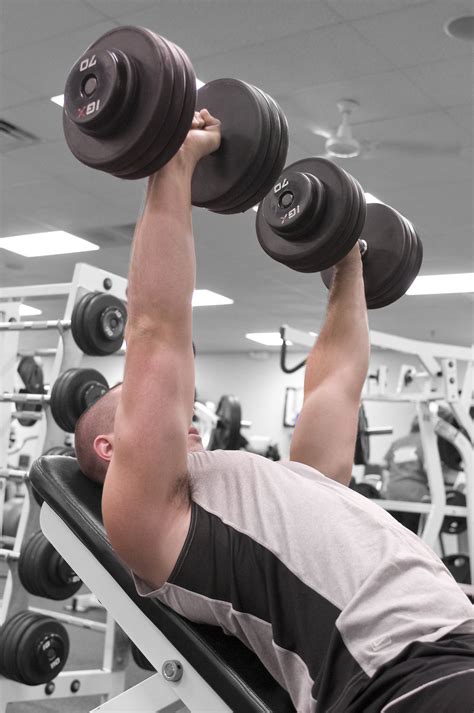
407	476
321	583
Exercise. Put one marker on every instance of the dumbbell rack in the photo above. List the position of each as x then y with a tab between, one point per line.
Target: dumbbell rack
108	680
440	362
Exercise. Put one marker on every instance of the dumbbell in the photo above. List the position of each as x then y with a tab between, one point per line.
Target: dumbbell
129	102
314	215
72	393
97	325
33	648
43	572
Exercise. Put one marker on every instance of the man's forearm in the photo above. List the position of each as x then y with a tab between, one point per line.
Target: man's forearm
342	349
163	265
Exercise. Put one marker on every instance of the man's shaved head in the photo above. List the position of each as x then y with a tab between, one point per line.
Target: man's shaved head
98	420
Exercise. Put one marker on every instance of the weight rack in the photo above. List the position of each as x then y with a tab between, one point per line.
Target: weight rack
109	680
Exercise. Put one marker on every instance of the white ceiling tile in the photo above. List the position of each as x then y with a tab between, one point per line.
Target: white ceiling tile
235	23
116	8
352	9
54	57
25	22
40	117
415	34
463	116
11	93
448	82
335	53
380	96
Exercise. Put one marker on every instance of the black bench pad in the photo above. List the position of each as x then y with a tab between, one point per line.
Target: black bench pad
233	671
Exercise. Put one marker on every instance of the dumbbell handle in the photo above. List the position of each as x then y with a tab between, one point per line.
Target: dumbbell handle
363	247
20	475
60	324
25	398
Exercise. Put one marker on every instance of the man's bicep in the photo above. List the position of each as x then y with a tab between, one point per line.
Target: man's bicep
326	430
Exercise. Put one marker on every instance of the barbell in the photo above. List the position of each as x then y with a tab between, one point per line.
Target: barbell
72	393
129	102
97	324
315	214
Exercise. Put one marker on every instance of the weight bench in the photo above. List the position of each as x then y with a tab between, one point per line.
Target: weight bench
218	672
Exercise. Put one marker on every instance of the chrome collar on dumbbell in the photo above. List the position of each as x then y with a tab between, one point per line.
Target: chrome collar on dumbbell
97	324
72	393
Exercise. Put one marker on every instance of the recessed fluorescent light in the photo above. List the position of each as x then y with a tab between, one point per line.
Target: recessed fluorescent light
443	284
27	311
270	339
370	198
206	298
59	98
56	242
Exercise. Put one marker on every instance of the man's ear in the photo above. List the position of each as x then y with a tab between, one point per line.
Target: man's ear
103	447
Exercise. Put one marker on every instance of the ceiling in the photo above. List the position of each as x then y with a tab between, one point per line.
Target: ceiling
413	83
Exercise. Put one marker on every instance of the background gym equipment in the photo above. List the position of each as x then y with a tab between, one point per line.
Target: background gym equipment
31	373
33	648
459	566
226	433
140	659
43	572
97	324
129	102
72	393
447	452
316	213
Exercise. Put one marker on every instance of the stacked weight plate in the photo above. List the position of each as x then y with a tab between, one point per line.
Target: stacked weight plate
129	102
393	259
328	218
253	148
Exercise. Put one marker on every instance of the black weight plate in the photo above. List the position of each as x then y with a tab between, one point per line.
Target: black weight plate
270	142
70	397
11	633
178	122
33	653
407	270
182	123
393	283
459	566
349	233
144	164
314	249
335	250
274	164
276	159
98	323
452	524
150	108
362	449
242	125
59	405
226	434
78	327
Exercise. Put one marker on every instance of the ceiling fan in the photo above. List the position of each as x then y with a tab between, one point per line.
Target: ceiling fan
341	143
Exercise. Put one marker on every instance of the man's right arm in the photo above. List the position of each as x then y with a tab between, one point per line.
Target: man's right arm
326	430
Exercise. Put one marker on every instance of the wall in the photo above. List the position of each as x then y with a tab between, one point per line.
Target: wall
260	385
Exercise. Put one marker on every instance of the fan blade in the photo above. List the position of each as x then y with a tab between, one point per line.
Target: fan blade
415	148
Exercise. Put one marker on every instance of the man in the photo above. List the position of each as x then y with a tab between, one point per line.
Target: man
343	605
406	474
